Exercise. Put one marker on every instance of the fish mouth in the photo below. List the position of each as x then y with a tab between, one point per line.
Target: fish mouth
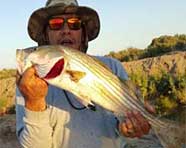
56	69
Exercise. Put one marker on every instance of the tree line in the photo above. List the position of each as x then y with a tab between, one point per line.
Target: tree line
158	47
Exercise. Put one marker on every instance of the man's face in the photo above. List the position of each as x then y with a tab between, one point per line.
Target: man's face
64	35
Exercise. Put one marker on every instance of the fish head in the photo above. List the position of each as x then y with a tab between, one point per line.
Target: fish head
48	61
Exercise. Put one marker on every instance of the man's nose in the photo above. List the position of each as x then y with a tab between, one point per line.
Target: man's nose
65	28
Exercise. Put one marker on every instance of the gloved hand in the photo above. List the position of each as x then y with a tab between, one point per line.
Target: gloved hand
33	89
135	124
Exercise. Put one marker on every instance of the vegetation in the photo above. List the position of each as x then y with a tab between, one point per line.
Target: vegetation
165	91
7	73
3	102
7	90
166	44
158	46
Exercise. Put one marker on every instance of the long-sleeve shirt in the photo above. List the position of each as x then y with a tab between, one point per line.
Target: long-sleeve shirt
62	126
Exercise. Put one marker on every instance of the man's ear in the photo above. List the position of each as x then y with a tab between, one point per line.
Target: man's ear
84	39
44	40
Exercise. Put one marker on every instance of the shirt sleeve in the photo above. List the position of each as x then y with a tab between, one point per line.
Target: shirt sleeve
32	128
115	65
119	69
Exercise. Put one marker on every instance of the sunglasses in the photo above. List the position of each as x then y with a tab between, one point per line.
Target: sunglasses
74	23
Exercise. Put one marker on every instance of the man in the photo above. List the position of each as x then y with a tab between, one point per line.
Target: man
51	117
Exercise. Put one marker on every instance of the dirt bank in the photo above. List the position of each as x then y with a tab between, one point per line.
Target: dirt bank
8	132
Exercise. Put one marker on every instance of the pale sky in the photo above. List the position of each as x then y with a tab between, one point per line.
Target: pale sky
124	23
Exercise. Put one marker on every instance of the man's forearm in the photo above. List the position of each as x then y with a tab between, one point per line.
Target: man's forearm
36	131
33	127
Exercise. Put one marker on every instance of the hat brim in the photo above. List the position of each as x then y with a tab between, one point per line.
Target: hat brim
38	20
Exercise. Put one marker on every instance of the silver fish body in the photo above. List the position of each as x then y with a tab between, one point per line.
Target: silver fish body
92	82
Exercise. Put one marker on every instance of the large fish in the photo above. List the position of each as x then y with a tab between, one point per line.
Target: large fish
92	82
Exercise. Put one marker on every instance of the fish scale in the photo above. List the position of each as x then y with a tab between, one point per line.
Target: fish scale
76	62
118	92
113	83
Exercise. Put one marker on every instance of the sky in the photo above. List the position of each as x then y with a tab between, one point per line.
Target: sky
124	24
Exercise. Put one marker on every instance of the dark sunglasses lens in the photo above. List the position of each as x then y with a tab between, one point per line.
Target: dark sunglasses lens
56	23
74	23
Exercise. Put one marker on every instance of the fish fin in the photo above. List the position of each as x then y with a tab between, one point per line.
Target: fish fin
171	136
75	75
87	103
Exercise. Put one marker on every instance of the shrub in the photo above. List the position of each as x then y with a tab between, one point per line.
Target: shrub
165	91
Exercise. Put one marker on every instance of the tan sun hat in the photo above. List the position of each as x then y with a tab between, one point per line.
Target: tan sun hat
38	19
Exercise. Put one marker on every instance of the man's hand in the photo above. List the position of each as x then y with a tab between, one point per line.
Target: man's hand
33	89
135	124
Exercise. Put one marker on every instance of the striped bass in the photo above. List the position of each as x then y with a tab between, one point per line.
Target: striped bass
92	82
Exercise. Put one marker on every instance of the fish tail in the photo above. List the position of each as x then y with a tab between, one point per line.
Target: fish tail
173	135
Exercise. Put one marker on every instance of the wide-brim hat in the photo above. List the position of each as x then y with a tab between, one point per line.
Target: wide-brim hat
39	18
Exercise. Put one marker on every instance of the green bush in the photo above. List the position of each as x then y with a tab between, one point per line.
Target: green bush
165	91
